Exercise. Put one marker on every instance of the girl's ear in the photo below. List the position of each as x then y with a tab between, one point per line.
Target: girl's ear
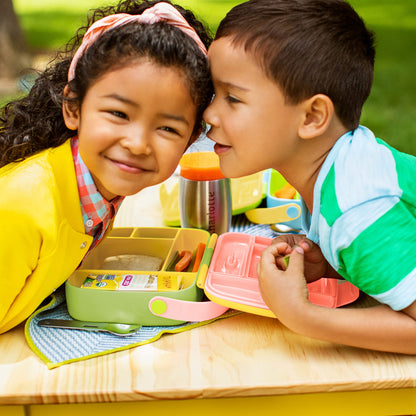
70	110
318	112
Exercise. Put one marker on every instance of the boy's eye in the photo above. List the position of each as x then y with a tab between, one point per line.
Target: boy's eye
232	100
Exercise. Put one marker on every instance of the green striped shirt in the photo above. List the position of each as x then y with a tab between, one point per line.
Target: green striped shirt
364	217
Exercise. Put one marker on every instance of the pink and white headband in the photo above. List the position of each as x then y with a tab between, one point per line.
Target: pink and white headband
159	12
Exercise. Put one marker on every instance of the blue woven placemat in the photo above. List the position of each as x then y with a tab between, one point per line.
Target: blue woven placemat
240	224
63	346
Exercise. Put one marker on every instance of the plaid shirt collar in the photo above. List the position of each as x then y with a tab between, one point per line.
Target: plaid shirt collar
97	212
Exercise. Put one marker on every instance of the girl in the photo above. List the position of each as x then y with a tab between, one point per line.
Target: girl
98	125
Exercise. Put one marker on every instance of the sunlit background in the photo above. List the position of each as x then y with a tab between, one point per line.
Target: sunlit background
389	112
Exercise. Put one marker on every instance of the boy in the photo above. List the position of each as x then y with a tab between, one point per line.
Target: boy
290	78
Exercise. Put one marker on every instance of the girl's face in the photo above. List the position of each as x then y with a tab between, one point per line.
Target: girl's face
133	126
253	126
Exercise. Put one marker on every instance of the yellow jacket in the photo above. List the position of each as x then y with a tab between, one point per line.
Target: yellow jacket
42	235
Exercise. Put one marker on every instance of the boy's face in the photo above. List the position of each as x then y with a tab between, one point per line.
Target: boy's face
133	126
254	129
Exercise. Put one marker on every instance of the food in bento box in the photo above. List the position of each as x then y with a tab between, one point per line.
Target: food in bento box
132	282
185	260
286	192
132	262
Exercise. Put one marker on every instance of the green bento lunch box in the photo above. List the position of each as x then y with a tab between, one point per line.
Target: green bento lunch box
132	306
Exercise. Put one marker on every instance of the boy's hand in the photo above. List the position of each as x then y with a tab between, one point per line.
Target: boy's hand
315	263
284	291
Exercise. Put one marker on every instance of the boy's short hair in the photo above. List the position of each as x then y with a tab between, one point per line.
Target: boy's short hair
308	47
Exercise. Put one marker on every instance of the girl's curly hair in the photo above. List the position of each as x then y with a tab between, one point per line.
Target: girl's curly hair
35	122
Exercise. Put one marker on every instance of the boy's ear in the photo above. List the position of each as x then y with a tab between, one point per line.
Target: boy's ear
70	110
318	113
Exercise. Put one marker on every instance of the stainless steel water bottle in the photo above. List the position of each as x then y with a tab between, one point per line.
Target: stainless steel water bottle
204	193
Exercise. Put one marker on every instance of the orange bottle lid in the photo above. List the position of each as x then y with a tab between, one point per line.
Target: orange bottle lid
201	166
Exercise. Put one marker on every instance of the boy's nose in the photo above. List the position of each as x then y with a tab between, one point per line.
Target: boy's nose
209	115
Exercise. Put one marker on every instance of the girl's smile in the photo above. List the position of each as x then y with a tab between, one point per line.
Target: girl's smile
130	167
131	132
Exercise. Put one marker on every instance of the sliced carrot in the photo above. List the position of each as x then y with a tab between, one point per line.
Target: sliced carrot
191	264
183	263
198	256
286	192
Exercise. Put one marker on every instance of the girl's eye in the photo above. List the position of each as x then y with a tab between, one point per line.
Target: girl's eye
119	114
170	130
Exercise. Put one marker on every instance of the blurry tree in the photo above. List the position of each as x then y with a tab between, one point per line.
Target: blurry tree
14	55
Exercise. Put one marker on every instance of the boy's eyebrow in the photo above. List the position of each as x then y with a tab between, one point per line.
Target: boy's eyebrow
134	104
230	84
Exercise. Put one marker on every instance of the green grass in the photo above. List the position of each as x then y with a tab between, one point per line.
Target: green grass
49	24
389	111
